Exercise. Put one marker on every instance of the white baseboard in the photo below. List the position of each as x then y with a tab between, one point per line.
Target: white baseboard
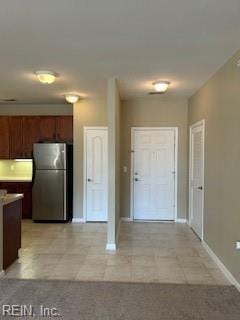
78	220
126	219
181	220
111	247
221	266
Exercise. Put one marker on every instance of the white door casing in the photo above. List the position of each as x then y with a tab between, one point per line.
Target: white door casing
154	173
196	177
95	173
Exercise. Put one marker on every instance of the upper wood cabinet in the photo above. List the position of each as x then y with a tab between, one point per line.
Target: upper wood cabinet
4	138
19	133
47	128
31	134
64	128
16	137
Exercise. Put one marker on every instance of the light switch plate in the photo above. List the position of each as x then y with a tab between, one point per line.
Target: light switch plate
238	245
125	169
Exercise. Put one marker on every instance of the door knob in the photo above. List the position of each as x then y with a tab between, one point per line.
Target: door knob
89	180
200	188
136	179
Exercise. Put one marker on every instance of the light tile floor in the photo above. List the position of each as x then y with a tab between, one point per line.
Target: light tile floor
148	252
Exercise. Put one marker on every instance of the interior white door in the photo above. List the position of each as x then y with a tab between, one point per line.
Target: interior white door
197	177
96	149
154	174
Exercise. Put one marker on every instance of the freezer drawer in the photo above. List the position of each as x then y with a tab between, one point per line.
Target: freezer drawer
49	195
49	156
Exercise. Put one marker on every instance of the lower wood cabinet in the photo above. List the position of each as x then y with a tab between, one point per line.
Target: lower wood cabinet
26	189
12	215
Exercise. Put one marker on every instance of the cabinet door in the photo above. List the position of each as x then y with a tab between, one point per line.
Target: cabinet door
47	129
16	137
64	128
30	134
4	134
11	187
11	232
26	189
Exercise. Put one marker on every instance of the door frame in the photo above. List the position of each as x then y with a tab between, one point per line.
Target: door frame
195	125
175	129
85	130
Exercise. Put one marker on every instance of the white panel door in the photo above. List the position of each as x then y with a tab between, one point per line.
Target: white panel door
96	149
196	177
154	174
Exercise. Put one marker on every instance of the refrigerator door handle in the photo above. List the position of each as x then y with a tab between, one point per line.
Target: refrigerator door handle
65	195
33	170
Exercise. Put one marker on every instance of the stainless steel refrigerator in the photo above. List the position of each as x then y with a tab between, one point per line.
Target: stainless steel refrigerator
52	182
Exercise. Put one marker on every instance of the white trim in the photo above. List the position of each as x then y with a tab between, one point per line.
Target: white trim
176	142
85	129
111	247
126	219
197	124
78	220
181	220
221	266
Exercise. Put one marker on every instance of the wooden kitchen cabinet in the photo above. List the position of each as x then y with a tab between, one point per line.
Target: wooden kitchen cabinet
26	189
64	128
31	134
16	137
12	213
4	136
19	133
47	129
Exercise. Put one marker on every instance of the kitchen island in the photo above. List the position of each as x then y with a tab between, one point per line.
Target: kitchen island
10	228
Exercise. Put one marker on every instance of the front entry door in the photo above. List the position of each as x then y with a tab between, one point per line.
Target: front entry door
153	173
96	174
196	177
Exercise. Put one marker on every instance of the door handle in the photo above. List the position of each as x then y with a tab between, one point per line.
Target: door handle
200	188
136	179
89	180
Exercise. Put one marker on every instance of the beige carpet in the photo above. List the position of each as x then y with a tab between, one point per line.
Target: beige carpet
125	301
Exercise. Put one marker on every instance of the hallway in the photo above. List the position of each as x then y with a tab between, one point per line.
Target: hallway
148	252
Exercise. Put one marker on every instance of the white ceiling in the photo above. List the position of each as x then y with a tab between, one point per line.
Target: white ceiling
137	41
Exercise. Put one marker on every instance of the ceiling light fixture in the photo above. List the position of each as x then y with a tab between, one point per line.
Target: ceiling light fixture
161	86
72	98
46	77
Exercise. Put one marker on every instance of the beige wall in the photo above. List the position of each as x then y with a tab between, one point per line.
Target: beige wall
154	112
87	112
218	102
113	162
36	109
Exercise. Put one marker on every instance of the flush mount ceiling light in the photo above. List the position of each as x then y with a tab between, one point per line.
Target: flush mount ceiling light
72	98
46	77
160	87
